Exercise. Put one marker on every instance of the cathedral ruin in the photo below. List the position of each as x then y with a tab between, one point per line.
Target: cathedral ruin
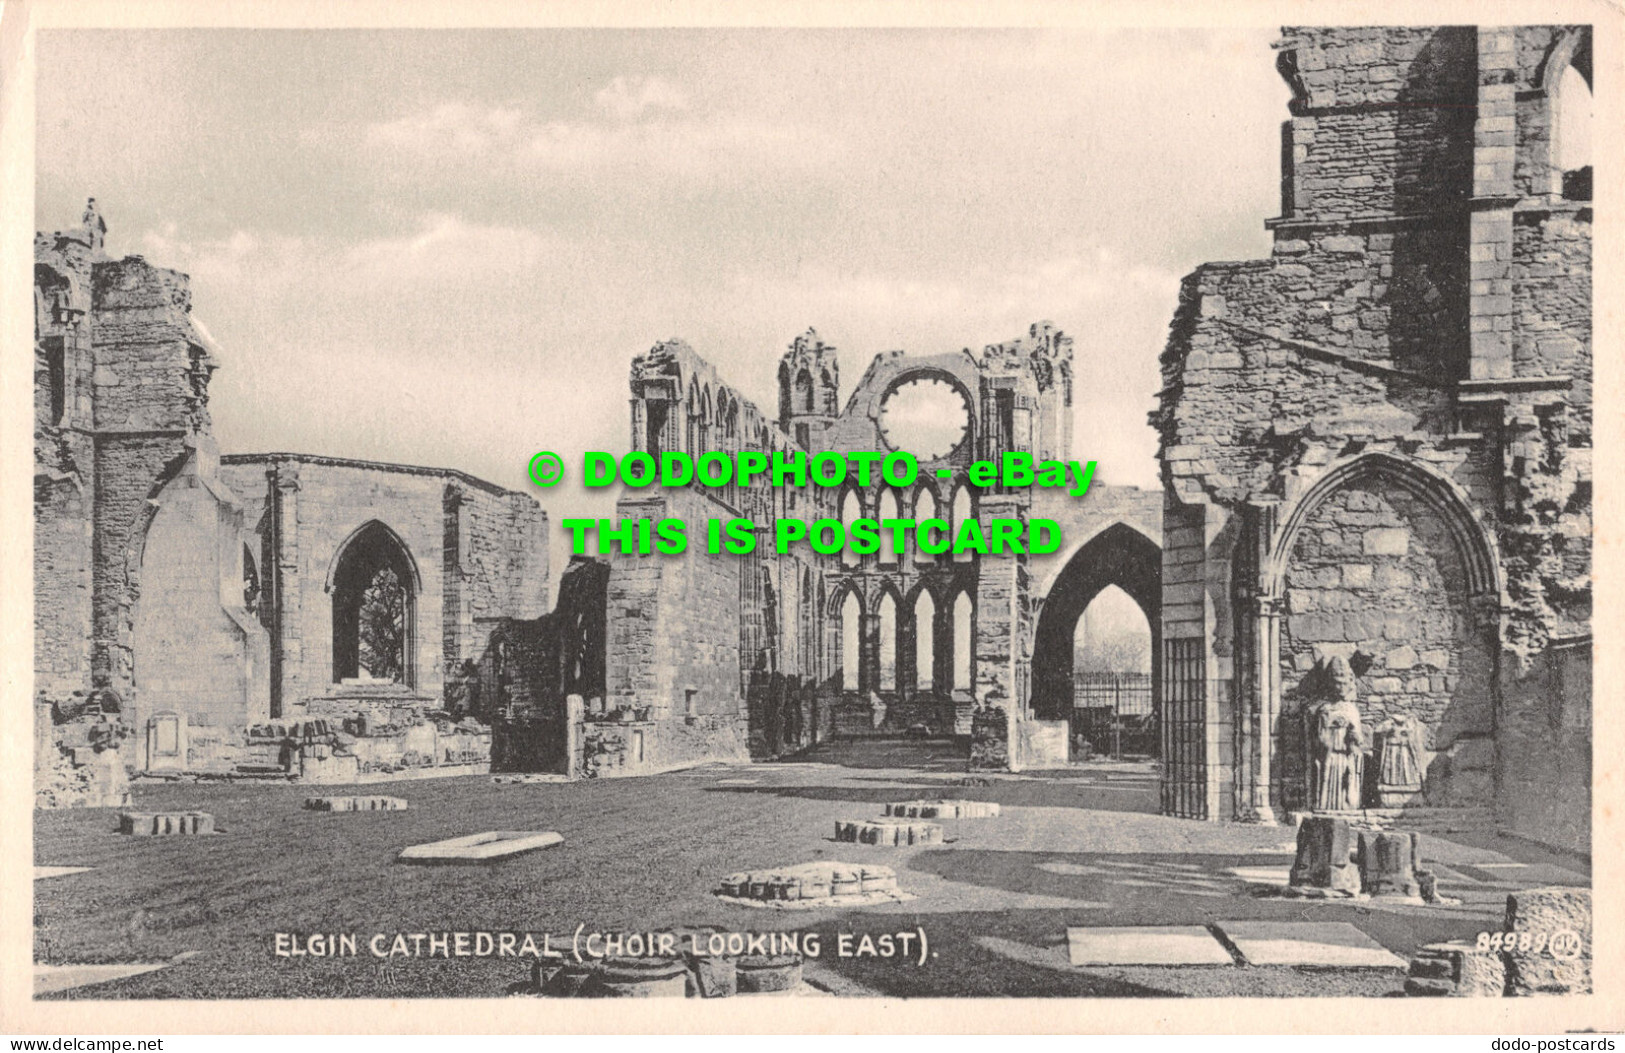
1367	575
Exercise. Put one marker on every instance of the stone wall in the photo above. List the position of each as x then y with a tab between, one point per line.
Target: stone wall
674	636
1376	442
198	652
1544	749
1374	578
478	553
197	591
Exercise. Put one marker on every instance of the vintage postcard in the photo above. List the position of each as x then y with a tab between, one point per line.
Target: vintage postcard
836	519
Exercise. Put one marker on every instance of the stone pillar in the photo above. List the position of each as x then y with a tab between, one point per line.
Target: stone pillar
574	717
1258	610
287	647
1490	226
44	737
1000	636
868	648
1266	704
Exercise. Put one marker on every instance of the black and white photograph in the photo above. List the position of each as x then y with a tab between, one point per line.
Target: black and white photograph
837	514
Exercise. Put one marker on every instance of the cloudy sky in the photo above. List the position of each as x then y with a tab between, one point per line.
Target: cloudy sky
444	247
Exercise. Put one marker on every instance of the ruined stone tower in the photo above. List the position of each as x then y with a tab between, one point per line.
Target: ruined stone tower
1377	441
809	387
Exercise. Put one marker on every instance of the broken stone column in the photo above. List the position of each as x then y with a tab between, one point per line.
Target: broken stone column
1324	861
1388	863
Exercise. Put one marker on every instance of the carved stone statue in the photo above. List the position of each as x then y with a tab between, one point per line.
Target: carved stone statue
1337	744
1399	771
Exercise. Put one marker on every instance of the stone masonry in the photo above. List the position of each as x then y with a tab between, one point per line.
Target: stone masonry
197	598
1376	443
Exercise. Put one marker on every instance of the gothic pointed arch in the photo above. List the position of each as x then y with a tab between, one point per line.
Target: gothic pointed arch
1119	555
1474	541
374	583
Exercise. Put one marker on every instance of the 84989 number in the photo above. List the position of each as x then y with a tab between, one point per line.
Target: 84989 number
1564	943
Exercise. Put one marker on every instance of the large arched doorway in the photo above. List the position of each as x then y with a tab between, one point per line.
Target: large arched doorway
375	587
1118	555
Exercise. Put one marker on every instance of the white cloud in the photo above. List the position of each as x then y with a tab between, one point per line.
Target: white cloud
640	126
628	98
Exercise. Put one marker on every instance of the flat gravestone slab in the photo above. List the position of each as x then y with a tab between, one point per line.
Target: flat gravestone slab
49	979
492	846
1263	875
1146	945
45	872
1335	943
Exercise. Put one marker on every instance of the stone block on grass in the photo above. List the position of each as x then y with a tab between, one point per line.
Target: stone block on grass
942	809
889	832
161	824
354	804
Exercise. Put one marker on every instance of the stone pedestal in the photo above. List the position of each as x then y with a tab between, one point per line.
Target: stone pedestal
1388	864
1324	858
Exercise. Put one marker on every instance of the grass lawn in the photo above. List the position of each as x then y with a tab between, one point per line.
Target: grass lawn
644	854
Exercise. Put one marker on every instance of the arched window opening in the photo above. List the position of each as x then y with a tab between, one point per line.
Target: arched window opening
770	622
56	365
816	656
251	583
851	512
851	641
925	507
373	608
961	513
888	510
807	640
702	434
804	392
1571	135
925	642
964	644
888	643
1112	707
654	439
1112	636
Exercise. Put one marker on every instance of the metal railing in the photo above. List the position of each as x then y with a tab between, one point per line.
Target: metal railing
1115	713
